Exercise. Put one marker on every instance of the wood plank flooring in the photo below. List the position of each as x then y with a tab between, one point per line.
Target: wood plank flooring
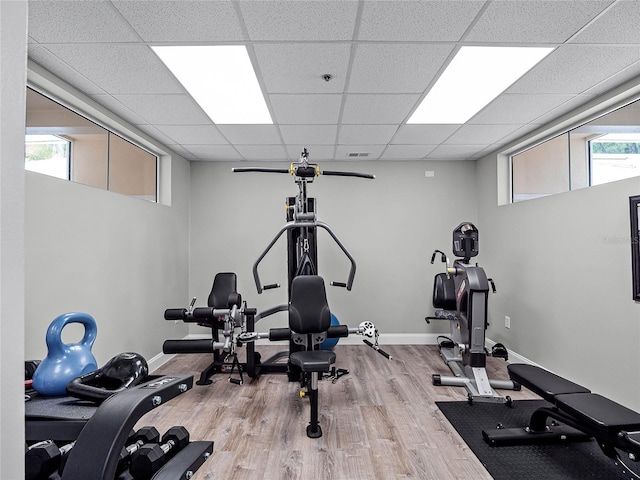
379	422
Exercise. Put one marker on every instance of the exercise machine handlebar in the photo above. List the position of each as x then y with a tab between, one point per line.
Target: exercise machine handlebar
305	224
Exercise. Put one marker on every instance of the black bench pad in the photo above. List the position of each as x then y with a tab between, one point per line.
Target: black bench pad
599	412
546	384
313	360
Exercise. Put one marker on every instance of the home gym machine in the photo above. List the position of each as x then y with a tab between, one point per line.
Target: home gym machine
460	296
70	439
225	314
301	230
308	311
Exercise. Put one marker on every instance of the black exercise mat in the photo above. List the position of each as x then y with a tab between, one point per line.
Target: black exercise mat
60	408
577	460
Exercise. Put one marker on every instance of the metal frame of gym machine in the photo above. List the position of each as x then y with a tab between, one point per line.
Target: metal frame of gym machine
301	228
466	355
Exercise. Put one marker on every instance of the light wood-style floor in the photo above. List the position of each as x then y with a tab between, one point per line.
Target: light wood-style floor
379	422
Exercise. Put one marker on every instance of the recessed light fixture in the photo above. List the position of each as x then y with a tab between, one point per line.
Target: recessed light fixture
475	76
221	79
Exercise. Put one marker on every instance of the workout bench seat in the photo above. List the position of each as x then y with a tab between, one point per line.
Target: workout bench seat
589	414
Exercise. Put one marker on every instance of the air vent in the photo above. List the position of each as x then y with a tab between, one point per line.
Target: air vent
358	154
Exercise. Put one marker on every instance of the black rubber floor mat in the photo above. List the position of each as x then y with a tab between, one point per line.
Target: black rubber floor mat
579	460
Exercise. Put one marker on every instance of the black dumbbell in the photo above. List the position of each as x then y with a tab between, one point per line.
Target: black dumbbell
144	436
44	458
150	458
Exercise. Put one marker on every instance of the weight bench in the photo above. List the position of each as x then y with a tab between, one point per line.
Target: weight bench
581	413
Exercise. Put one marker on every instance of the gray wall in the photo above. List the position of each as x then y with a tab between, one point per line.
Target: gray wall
562	266
121	259
13	58
390	225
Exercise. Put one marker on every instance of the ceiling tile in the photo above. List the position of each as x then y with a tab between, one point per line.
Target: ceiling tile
251	134
374	151
480	134
619	24
79	22
406	152
309	134
193	134
423	134
119	69
43	57
165	109
171	21
155	133
396	68
298	67
183	152
455	152
213	152
575	68
435	20
113	105
627	74
306	109
262	152
295	20
365	134
533	21
316	152
516	108
377	109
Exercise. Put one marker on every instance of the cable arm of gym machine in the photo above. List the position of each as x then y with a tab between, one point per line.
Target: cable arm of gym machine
292	225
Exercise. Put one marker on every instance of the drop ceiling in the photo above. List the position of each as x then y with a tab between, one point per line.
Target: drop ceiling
383	57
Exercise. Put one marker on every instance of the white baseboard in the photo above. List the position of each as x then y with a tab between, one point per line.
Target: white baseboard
513	356
383	339
159	360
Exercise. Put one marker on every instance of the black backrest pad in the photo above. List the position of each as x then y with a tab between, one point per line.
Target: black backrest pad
542	382
308	309
599	412
223	285
444	292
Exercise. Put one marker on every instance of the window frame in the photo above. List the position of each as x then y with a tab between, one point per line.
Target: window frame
110	130
634	213
567	127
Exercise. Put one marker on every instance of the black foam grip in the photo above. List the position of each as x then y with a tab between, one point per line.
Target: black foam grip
279	334
175	313
338	331
187	346
348	174
203	313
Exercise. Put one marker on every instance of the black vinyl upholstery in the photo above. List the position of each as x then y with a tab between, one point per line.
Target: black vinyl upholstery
444	292
543	382
224	284
309	314
308	310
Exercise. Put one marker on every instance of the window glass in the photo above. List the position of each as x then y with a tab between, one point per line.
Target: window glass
132	171
48	154
62	143
542	170
603	150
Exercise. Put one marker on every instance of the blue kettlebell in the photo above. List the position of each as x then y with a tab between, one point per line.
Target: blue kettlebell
65	362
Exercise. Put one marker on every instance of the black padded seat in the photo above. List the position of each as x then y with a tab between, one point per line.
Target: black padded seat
599	412
546	384
313	361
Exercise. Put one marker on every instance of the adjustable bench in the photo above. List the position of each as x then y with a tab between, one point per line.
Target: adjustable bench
582	414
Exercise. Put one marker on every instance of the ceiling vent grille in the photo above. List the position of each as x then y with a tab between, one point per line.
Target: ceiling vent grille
358	154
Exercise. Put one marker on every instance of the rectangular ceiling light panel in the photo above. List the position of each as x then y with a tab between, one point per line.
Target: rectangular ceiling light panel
221	79
475	76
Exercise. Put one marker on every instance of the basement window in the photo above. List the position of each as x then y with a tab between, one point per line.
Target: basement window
64	144
606	149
